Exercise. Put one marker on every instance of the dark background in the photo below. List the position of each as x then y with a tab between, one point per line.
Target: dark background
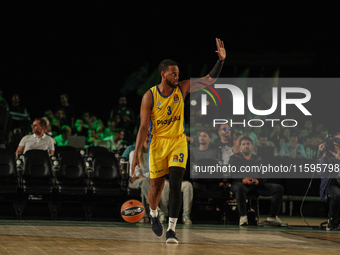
89	49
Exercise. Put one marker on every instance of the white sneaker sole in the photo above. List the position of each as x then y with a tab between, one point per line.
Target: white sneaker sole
172	240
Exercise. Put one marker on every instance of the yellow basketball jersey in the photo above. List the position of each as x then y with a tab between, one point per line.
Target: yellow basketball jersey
167	113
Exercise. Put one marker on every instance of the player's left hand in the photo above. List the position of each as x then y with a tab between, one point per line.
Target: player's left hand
222	54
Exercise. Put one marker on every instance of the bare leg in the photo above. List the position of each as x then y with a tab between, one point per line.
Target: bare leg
156	188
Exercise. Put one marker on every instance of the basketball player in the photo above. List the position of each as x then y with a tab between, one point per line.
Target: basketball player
162	115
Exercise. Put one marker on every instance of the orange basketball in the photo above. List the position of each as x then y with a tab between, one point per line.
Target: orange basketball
132	211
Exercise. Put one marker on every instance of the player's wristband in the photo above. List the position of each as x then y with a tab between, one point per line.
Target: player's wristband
215	72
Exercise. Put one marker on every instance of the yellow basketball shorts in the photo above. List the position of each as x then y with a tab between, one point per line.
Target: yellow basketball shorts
166	152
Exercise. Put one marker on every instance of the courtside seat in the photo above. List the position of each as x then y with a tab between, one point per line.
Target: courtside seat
72	182
105	184
8	172
95	151
37	182
61	150
72	177
37	178
106	178
209	194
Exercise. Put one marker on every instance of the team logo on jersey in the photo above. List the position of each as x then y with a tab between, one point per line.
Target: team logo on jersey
176	98
175	158
168	121
159	105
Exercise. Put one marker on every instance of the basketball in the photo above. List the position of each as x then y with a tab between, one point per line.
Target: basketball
132	211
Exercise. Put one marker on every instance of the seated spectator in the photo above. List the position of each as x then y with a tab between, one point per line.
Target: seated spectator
235	149
69	112
193	138
275	135
318	128
323	133
205	151
126	114
141	180
92	138
60	116
100	128
214	137
87	120
128	150
303	136
62	138
224	142
293	149
264	142
49	115
309	148
283	140
55	126
317	141
110	130
116	141
248	132
16	105
48	129
38	140
79	129
285	134
309	126
241	187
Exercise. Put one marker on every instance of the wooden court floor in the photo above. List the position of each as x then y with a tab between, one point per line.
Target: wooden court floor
66	237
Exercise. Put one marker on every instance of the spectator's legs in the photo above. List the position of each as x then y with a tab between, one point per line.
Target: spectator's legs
240	191
188	195
276	191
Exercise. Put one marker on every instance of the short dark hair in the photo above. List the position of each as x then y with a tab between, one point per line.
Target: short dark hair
246	138
64	128
205	131
42	122
164	65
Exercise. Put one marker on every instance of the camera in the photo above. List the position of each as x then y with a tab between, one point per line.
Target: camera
329	143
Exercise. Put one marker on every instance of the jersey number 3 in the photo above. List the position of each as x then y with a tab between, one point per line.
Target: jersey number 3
169	110
181	157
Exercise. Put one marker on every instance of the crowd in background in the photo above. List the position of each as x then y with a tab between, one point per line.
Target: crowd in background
120	129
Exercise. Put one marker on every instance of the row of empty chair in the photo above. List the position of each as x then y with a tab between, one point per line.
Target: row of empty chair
69	176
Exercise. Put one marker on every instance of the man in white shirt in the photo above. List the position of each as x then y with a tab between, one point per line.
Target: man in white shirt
38	140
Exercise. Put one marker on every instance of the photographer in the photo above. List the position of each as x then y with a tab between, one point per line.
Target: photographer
330	186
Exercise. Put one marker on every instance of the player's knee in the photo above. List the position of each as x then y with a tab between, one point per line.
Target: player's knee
157	185
176	177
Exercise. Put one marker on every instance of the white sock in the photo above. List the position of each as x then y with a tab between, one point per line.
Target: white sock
172	224
153	213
